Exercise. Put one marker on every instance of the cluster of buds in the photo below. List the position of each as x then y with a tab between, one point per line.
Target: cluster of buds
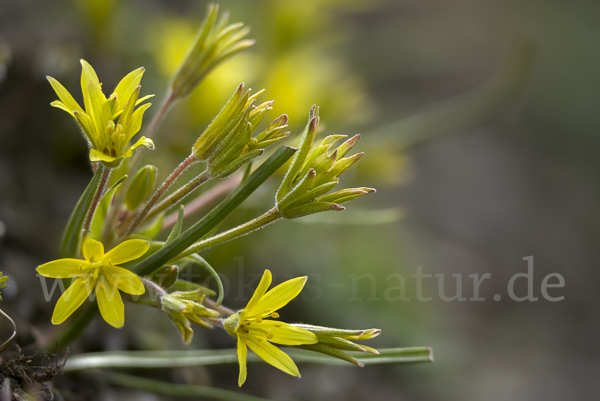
227	143
185	307
315	172
333	342
216	42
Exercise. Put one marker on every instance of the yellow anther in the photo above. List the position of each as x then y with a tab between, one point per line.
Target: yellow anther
277	324
120	283
274	315
258	319
110	127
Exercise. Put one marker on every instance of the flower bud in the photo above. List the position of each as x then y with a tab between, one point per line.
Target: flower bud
315	172
215	43
141	187
333	341
165	276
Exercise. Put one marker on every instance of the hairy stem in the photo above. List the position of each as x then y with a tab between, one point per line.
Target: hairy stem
178	195
241	230
140	217
219	190
97	196
113	216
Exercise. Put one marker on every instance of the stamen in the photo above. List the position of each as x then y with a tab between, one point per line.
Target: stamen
258	319
274	315
277	324
120	283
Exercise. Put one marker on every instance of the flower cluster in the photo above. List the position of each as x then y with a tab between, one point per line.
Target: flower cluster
124	208
107	123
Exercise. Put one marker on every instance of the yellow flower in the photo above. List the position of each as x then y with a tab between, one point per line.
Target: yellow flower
251	330
98	271
108	137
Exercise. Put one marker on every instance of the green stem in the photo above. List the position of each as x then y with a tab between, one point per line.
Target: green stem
181	390
190	160
73	330
219	190
188	358
216	215
241	230
181	193
97	196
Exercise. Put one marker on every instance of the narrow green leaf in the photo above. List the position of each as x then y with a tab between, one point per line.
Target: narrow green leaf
187	358
181	390
72	234
151	230
200	260
220	212
177	227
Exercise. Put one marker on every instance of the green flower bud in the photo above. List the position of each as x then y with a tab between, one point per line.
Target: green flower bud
315	172
333	341
227	143
165	276
141	187
215	43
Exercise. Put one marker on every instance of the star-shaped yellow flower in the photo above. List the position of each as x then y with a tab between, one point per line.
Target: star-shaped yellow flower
98	271
107	136
251	330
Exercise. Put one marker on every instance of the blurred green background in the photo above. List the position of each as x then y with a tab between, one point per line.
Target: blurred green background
509	169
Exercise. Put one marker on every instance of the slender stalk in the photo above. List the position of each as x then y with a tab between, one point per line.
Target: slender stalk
239	231
203	200
139	218
187	358
181	390
113	216
181	193
8	342
219	308
97	197
216	215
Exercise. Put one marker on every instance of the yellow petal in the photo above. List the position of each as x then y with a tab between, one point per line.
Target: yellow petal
282	333
72	298
93	251
64	96
97	156
125	280
99	111
129	107
87	75
127	85
64	268
272	355
87	125
242	352
277	297
143	141
60	105
264	284
135	122
110	303
127	251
